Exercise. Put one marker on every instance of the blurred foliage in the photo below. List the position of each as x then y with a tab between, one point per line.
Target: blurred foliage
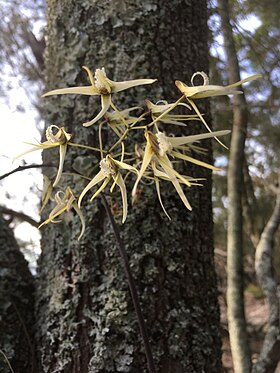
257	36
22	46
255	290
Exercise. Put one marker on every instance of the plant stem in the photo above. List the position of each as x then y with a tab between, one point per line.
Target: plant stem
22	168
132	287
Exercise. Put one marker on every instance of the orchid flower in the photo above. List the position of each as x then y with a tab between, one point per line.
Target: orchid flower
60	139
109	170
159	108
64	202
157	149
208	90
100	86
119	121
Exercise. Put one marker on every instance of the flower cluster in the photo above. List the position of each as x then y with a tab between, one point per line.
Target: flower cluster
155	161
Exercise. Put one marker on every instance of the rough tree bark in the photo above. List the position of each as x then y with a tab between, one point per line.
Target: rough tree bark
85	315
235	302
16	306
269	356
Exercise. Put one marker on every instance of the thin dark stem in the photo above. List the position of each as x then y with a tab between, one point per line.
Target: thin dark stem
132	287
19	215
22	168
27	335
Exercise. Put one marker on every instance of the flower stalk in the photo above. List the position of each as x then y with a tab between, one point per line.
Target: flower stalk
132	287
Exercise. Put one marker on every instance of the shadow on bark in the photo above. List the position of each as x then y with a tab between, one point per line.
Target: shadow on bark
16	306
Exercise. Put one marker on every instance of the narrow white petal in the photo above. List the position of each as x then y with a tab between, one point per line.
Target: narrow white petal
248	79
159	197
121	184
53	215
91	78
203	91
212	91
125	166
184	180
195	161
148	154
167	121
87	90
62	152
203	121
155	108
26	152
40	146
97	178
105	104
121	86
81	216
99	190
177	141
175	182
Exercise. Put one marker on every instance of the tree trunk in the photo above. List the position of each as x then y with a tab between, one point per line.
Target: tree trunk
235	301
85	313
250	205
16	306
269	356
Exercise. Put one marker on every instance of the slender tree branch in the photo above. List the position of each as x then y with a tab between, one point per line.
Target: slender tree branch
7	361
22	168
132	287
19	215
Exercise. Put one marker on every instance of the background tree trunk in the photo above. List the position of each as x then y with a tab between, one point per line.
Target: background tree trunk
235	302
269	356
87	322
16	306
